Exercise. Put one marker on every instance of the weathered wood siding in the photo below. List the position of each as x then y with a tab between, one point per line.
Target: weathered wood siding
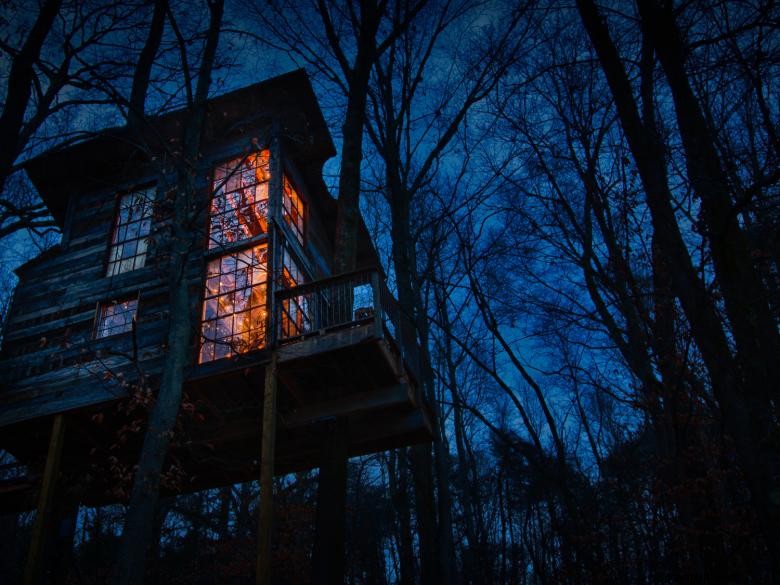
50	360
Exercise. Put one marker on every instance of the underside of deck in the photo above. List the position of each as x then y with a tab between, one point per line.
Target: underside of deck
351	374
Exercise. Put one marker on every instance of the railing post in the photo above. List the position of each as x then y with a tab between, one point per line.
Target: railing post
378	312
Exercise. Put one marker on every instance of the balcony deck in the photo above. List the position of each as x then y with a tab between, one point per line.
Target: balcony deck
342	353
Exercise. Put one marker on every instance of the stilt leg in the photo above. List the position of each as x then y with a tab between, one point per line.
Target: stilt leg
267	475
45	500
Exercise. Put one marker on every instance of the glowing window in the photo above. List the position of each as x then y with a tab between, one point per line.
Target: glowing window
291	274
116	317
239	209
296	319
234	318
292	209
131	230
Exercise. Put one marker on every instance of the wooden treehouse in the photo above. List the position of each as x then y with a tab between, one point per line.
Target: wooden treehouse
85	336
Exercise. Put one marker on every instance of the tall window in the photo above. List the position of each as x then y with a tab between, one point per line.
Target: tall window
292	209
131	230
291	274
234	307
234	318
296	319
239	209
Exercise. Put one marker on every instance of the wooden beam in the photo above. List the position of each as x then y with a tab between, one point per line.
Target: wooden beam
393	359
378	312
291	384
45	500
349	405
330	341
267	475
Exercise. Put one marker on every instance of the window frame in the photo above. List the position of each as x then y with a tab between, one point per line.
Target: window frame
296	308
225	248
207	297
287	175
100	308
149	188
222	250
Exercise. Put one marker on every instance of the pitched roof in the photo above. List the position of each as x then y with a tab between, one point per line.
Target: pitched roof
288	99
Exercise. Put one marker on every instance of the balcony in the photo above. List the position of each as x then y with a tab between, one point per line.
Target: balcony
345	350
351	306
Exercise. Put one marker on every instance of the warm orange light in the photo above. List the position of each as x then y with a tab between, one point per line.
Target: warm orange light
239	208
234	317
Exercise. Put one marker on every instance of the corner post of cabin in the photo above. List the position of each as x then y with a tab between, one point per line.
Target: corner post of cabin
275	235
268	433
43	514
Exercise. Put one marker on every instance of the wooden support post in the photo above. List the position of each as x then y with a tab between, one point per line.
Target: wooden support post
60	556
45	500
378	313
267	474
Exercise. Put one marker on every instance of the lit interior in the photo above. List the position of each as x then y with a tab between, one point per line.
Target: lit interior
239	209
294	310
235	313
234	317
292	209
116	317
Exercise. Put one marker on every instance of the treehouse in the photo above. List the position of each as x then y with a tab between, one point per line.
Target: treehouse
85	337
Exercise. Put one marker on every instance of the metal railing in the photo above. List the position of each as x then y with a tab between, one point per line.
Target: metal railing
347	300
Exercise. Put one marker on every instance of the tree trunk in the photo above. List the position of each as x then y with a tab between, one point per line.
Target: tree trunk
20	80
143	70
348	217
139	523
399	496
328	554
697	305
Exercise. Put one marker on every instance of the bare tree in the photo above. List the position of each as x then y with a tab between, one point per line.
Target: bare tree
56	67
742	387
131	563
343	41
411	152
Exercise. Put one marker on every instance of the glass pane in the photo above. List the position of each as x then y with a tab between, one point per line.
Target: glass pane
225	327
226	304
236	212
207	352
292	209
116	317
209	330
221	350
210	309
141	247
258	295
228	295
242	299
132	226
212	286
